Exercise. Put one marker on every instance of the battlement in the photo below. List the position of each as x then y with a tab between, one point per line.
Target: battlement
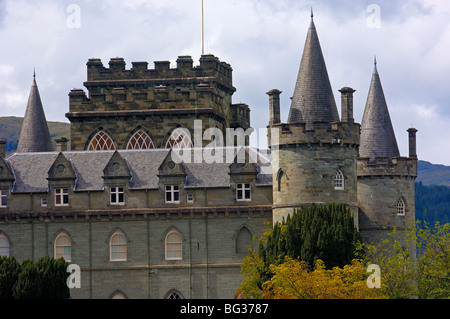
383	166
338	133
210	66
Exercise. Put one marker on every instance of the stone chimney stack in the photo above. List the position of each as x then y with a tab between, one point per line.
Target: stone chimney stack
2	148
274	105
412	142
347	104
61	144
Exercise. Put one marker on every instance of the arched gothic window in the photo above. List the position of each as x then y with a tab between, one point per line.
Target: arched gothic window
63	247
140	141
101	142
118	247
243	240
401	207
174	295
338	180
180	138
174	245
4	245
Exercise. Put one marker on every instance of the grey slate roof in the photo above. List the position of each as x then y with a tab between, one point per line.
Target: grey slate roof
377	134
31	170
34	135
313	99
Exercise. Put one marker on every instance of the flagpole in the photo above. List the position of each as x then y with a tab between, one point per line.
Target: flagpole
203	32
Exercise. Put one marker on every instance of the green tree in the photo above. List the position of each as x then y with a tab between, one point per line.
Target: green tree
44	279
9	272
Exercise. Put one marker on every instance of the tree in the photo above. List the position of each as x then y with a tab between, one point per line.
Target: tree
9	272
294	280
44	279
312	233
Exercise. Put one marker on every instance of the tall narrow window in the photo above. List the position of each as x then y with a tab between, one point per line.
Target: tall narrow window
117	196
63	247
338	180
243	240
243	192
61	197
174	246
4	245
180	138
140	141
118	247
172	194
400	207
101	142
173	295
3	199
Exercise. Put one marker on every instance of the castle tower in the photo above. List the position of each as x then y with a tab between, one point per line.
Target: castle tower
143	108
314	154
385	179
34	135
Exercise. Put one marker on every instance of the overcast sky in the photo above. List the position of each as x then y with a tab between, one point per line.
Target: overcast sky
262	40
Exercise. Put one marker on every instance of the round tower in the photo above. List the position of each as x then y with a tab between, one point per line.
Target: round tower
314	154
385	179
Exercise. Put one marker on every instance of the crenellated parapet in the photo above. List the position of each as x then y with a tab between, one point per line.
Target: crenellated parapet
384	166
344	134
210	66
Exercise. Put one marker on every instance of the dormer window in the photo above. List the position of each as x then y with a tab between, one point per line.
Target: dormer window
172	194
243	192
117	196
61	197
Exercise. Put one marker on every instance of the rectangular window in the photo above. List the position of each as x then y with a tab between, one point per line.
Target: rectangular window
243	192
190	198
62	197
43	201
117	196
3	199
172	194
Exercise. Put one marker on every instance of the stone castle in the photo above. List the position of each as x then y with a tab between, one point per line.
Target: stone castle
128	201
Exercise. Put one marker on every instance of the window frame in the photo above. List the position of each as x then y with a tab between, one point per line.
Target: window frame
101	141
174	254
190	198
401	207
3	198
63	195
57	254
172	190
117	191
140	140
243	188
339	180
119	245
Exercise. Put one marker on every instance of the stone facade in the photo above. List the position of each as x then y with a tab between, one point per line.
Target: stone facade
145	215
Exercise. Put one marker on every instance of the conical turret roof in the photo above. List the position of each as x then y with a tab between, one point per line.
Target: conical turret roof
377	134
34	136
313	99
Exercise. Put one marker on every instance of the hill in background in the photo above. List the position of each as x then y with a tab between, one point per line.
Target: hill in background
433	174
10	131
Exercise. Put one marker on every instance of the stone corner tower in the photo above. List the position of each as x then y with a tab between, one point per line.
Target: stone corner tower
385	179
314	154
34	135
